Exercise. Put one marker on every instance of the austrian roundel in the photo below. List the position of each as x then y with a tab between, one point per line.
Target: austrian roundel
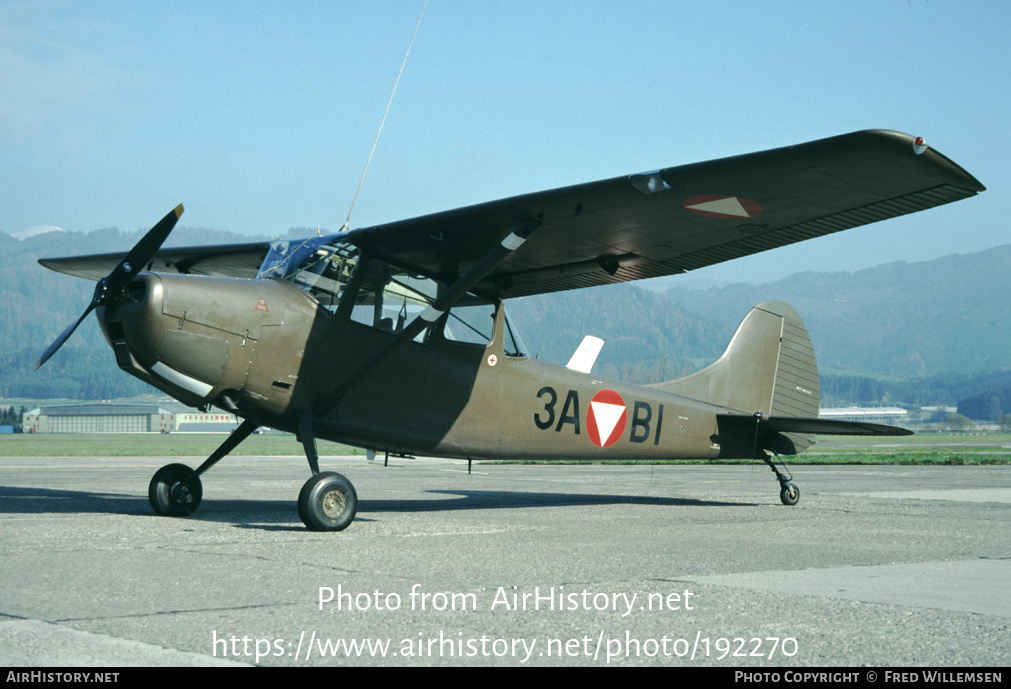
606	417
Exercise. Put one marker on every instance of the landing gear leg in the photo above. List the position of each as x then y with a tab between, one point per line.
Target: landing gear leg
789	494
328	501
175	489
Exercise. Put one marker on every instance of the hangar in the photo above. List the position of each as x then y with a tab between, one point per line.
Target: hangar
892	415
109	417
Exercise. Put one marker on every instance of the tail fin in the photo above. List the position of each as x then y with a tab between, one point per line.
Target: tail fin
769	367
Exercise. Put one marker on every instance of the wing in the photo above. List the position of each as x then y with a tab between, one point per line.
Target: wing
679	218
639	226
233	260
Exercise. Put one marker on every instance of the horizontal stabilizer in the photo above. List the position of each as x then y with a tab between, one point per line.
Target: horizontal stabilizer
793	424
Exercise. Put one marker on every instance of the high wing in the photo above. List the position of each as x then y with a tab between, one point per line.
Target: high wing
231	260
638	226
678	218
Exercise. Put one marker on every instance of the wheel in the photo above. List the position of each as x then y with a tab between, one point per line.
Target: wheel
328	502
175	491
790	494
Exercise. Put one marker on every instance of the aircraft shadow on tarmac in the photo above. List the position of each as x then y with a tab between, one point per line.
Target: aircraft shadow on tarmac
35	500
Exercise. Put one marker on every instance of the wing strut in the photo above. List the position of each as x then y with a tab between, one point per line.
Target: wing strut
442	303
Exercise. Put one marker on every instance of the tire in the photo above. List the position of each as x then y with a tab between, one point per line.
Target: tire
790	494
168	494
328	502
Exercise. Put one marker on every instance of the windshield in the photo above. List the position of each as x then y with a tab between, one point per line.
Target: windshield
321	266
287	257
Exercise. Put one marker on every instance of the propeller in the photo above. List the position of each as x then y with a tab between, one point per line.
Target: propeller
112	285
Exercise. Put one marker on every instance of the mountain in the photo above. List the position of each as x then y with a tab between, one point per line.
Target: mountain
647	336
911	320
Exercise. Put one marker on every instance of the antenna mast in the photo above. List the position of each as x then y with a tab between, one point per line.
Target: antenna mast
388	104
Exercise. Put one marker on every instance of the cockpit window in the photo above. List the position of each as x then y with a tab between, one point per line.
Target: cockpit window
387	298
290	256
321	266
471	320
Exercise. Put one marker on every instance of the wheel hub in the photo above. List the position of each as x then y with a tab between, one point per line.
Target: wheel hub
334	502
180	493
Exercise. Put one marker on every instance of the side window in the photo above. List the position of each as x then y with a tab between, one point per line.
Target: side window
389	298
471	321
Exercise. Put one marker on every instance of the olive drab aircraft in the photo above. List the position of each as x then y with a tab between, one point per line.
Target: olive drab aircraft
395	337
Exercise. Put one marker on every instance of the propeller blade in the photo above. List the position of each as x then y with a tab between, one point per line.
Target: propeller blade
141	254
109	287
63	337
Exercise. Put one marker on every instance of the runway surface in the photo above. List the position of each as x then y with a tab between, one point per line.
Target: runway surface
511	565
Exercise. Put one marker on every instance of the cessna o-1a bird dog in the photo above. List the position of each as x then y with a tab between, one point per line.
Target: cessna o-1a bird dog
395	337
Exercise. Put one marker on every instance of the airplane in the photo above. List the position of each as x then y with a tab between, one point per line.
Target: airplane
395	337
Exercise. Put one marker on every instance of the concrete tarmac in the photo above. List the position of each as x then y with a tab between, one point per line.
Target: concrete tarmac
511	565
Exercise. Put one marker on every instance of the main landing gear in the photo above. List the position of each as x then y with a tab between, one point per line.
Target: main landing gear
789	494
327	502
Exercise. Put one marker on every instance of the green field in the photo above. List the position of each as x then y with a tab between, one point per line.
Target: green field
941	449
155	445
923	448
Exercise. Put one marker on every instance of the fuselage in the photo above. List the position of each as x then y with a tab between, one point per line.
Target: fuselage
270	350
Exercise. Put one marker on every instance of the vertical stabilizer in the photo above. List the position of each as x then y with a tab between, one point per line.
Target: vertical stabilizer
768	367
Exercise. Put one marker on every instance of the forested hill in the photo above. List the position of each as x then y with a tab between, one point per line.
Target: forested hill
647	337
911	320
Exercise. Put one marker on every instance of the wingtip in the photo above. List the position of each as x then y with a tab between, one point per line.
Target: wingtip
179	211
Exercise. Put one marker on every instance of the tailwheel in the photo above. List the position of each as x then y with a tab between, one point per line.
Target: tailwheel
175	491
790	494
328	502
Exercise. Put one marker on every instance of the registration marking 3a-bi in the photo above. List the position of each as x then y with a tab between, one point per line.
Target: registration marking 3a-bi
606	419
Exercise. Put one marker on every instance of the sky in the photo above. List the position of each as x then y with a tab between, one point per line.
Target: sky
259	116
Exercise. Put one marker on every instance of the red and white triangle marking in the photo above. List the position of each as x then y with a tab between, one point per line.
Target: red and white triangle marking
722	206
606	418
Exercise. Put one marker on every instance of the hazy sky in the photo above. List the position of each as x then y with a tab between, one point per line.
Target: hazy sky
259	116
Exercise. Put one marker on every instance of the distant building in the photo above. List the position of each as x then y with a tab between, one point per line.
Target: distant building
197	422
106	417
889	415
